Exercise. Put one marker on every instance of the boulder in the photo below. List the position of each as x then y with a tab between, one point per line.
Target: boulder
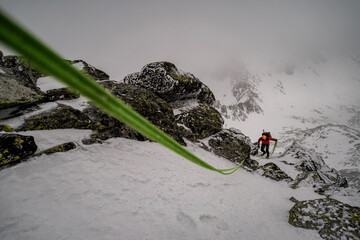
59	118
15	147
234	146
331	218
153	108
202	120
170	83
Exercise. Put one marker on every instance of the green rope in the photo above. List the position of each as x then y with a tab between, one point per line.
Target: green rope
274	147
15	37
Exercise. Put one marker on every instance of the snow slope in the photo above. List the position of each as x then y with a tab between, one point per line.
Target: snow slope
124	189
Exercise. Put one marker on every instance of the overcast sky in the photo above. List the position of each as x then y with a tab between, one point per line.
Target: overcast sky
120	37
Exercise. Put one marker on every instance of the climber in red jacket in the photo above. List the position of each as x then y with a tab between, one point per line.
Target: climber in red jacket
265	143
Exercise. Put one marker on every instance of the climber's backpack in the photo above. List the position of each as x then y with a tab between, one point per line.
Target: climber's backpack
268	134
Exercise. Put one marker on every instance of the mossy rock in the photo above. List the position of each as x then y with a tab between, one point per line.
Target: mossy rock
22	69
272	171
61	94
331	218
59	118
15	147
6	128
17	92
65	147
170	84
146	103
18	84
202	120
232	145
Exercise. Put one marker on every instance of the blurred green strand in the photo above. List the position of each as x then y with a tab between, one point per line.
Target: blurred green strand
18	39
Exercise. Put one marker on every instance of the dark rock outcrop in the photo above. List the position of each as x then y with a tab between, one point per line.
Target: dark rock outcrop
15	147
332	218
59	118
60	94
153	108
170	84
202	120
93	72
272	171
65	147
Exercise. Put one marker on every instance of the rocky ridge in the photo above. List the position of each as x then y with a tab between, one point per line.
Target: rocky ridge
175	101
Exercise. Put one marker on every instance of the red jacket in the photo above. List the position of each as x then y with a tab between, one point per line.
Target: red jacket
266	141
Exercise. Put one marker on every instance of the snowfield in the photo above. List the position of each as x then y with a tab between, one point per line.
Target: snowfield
125	189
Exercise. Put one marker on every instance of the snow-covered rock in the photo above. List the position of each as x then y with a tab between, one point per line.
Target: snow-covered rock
170	83
332	218
241	97
313	169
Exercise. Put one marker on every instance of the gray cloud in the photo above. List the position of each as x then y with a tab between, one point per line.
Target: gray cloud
121	36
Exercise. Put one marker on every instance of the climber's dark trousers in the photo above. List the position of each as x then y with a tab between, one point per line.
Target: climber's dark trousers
265	147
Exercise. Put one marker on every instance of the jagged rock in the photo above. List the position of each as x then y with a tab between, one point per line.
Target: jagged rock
90	70
155	109
170	83
254	148
272	171
59	118
232	145
15	147
60	94
15	91
65	147
313	170
21	69
332	218
203	121
18	82
6	128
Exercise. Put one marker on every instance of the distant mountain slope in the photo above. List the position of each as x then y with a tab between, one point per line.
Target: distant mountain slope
303	93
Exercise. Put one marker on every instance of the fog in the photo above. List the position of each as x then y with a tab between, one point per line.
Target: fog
120	37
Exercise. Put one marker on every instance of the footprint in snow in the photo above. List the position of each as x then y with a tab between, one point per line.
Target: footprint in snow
185	220
212	220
